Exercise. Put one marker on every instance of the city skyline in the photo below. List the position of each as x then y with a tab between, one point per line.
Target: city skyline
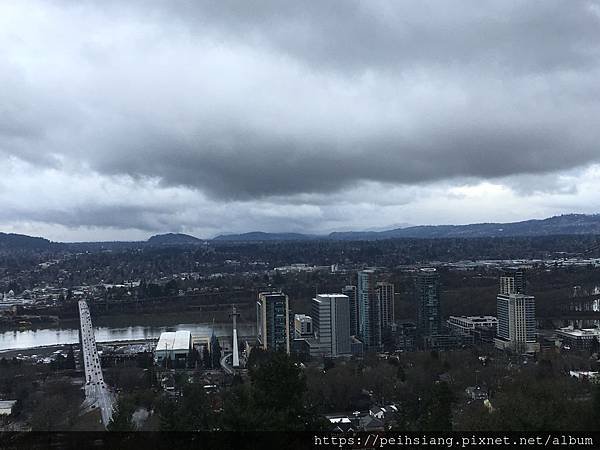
123	121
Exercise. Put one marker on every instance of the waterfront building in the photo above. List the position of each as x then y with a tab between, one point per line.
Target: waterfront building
579	339
369	319
513	281
466	325
303	326
385	295
473	329
516	323
351	292
272	321
331	320
173	345
428	302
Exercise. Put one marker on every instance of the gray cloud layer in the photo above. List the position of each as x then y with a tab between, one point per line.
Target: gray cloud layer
246	101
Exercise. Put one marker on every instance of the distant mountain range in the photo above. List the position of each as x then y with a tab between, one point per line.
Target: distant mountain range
174	239
557	225
568	224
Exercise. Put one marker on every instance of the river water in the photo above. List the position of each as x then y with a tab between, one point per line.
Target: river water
23	339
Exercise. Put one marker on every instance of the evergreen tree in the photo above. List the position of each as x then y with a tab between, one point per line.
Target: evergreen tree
70	362
438	412
215	352
191	412
273	401
206	357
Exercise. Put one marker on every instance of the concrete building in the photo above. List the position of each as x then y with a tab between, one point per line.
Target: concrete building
578	339
474	329
369	311
273	321
175	345
516	323
466	325
513	281
6	407
352	293
428	302
385	295
303	326
331	319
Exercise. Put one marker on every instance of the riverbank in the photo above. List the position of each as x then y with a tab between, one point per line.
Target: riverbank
140	319
115	332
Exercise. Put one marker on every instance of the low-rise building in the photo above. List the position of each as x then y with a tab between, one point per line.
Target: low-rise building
578	339
473	329
467	324
6	407
303	326
174	345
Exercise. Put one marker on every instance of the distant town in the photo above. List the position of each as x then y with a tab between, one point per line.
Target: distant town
493	333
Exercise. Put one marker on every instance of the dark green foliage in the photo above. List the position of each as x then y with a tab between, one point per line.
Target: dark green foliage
206	361
190	412
328	364
533	404
437	415
274	400
121	418
70	362
401	374
215	353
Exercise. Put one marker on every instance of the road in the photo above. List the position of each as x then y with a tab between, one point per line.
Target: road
97	394
228	368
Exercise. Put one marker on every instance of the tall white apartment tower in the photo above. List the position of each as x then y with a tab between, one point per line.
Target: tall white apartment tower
331	323
385	293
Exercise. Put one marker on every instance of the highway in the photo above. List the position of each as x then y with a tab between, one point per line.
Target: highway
97	394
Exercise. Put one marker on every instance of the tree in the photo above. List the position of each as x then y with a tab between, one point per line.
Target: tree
215	353
121	419
171	288
70	362
191	412
206	357
273	401
438	412
400	374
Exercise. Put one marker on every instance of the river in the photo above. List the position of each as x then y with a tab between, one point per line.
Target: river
23	339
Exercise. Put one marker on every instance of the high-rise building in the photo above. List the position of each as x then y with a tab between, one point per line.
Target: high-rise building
516	322
428	302
331	322
385	294
513	281
352	294
272	321
303	326
369	314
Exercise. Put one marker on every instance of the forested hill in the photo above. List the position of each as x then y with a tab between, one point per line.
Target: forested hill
11	241
568	224
553	226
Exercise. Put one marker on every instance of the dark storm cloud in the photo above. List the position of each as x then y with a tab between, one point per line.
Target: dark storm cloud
534	35
246	100
140	217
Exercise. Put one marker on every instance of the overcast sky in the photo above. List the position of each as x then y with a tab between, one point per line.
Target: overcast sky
122	119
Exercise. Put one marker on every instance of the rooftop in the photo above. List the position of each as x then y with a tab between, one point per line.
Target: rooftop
584	332
475	318
174	340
